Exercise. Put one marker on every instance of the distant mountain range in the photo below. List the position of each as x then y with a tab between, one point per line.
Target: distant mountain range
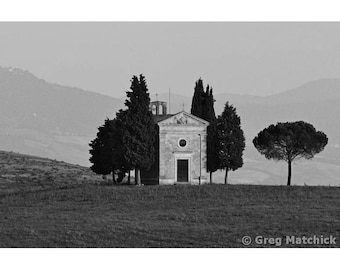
49	120
58	122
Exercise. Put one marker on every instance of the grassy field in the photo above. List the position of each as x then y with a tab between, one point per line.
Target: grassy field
68	206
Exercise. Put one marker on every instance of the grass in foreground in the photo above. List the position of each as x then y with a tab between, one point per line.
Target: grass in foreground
90	215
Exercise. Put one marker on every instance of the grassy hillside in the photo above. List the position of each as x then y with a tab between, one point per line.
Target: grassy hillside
22	173
45	203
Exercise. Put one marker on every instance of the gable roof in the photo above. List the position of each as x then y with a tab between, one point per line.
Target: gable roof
166	118
161	117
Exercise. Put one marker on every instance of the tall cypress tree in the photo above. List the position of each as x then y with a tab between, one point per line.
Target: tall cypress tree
139	133
203	107
212	141
198	99
231	141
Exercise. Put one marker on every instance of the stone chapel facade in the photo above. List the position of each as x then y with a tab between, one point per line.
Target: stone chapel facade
181	151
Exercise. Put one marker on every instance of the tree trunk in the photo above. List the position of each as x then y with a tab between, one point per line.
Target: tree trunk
226	176
211	178
113	178
129	178
289	172
137	177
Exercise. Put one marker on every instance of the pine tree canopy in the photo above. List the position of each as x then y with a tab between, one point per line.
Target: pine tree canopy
290	141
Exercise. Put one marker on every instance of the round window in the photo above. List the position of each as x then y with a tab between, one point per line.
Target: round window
182	142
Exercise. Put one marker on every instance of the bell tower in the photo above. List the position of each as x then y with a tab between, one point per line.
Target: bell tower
158	107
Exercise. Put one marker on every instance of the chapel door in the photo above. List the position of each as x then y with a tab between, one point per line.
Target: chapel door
182	170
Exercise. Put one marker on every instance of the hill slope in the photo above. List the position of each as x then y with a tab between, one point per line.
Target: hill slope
23	173
49	120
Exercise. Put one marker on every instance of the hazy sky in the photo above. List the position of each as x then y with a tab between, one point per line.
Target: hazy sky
244	58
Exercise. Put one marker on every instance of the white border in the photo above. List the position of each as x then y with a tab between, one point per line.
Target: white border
152	10
167	10
247	258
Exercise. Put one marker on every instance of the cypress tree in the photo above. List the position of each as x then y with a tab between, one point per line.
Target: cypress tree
203	107
212	141
198	99
139	130
231	141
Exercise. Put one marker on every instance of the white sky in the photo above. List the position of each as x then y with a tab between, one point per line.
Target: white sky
245	58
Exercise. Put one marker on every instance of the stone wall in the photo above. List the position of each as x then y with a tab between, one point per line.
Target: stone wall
170	151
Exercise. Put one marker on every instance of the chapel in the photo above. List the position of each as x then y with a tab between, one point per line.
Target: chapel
181	148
